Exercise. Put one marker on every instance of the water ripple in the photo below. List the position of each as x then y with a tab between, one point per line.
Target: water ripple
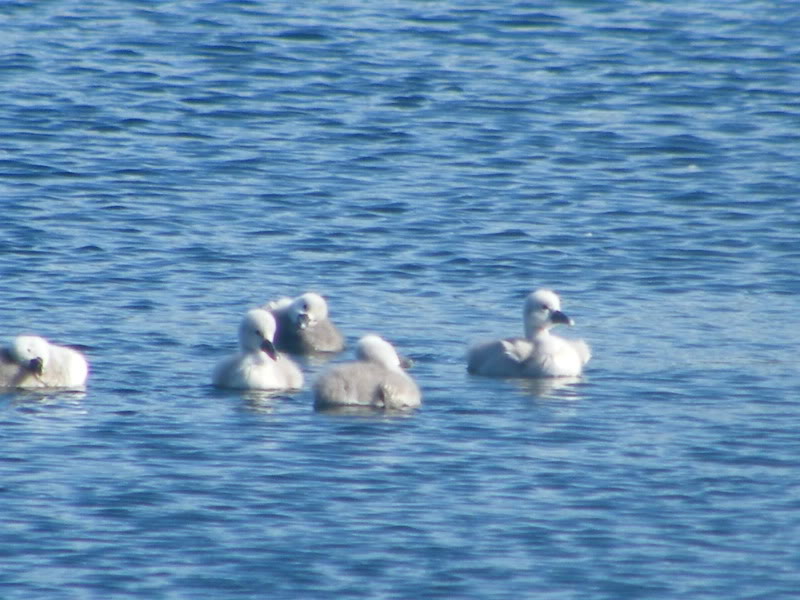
165	167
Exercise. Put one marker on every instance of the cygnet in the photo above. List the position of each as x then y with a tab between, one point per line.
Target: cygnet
540	353
375	380
258	365
304	326
33	362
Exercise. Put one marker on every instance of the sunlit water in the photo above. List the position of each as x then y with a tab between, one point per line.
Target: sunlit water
165	166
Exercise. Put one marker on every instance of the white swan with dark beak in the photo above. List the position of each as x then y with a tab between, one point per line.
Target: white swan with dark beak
33	362
540	353
258	365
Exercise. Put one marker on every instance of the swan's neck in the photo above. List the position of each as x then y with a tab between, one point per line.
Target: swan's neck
539	333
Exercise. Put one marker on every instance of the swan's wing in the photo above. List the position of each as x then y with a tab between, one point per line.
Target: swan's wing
365	384
501	358
345	385
68	368
288	373
398	391
582	348
322	337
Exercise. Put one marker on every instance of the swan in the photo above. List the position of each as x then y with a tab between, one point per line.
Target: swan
540	353
258	365
304	326
375	380
33	362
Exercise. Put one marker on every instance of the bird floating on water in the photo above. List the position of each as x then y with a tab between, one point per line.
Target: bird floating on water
540	353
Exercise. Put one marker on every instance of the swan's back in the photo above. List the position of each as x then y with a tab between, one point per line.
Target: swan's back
365	384
321	337
500	358
545	356
61	366
249	371
375	380
581	349
68	368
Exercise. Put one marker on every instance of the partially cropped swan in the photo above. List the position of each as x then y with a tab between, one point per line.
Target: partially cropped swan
258	366
539	353
304	326
33	362
375	380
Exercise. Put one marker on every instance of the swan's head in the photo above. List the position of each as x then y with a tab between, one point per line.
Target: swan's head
31	352
308	310
256	332
375	349
542	310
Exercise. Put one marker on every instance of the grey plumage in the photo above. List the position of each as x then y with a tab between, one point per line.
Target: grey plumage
304	326
376	380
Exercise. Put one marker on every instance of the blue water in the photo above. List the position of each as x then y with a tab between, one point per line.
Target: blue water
166	165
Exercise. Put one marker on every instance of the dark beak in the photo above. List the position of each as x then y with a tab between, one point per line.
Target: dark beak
36	365
559	317
269	348
302	320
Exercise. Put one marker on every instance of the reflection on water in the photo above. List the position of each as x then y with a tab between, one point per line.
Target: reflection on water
565	388
44	396
262	401
49	404
364	411
314	362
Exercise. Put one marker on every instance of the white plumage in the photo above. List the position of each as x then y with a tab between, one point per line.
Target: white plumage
258	366
540	353
33	362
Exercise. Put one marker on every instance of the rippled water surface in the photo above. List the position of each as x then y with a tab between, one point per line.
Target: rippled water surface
166	165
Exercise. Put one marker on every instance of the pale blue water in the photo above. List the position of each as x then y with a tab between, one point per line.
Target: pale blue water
166	165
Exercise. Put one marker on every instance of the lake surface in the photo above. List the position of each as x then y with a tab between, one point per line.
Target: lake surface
166	165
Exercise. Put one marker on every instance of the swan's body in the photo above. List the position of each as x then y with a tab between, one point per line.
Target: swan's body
258	366
540	353
33	362
375	380
304	326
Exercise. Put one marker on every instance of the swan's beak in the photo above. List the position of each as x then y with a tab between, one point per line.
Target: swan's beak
269	348
36	365
560	317
303	320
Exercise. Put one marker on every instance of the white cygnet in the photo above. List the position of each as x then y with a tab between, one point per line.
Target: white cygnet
304	326
539	353
375	380
33	362
258	366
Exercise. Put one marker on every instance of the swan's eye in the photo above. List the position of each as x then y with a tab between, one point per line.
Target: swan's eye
545	307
